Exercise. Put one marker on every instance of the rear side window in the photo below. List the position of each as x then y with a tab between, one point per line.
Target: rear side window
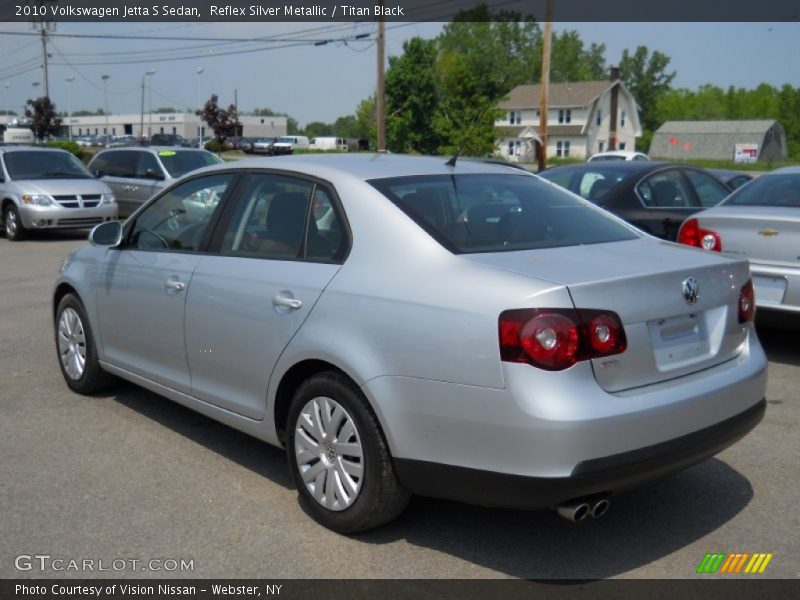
665	190
494	213
592	182
280	217
179	162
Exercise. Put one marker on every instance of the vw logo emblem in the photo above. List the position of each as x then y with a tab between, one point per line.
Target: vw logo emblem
691	290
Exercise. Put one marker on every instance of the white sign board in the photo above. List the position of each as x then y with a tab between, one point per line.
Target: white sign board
745	153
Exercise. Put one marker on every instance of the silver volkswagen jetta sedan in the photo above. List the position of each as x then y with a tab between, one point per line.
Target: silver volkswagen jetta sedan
402	325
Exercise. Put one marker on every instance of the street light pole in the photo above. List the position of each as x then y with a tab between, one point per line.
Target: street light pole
151	72
69	107
105	109
6	103
200	108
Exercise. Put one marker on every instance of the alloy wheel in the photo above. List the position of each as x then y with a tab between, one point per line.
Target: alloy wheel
72	344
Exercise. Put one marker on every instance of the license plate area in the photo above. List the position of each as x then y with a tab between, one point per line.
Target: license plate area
769	290
687	339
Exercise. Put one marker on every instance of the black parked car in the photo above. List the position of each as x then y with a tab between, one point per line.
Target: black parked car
656	197
734	179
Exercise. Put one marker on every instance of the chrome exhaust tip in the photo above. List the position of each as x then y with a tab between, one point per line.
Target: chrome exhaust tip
600	507
574	511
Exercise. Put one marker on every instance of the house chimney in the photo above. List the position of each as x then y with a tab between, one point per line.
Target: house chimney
612	121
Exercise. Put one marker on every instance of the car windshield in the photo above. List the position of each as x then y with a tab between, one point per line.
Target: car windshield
285	140
592	183
44	165
180	162
768	190
499	213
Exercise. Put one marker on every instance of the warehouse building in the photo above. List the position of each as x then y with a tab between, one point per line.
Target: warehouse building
740	141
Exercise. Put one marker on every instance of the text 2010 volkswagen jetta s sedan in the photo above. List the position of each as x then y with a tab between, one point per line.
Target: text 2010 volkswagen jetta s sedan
408	325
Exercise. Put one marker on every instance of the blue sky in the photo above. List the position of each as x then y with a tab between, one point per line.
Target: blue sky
323	82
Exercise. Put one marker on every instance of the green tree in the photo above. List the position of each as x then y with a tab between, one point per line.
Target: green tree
318	128
348	127
571	61
412	98
646	76
365	115
44	118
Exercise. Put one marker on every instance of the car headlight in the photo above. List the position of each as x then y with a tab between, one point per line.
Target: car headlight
108	199
38	199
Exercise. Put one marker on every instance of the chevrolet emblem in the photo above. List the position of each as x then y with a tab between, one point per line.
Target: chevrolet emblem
768	232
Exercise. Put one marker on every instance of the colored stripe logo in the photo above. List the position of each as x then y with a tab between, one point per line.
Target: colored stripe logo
734	563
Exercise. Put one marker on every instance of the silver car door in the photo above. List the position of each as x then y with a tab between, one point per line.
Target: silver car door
147	180
247	302
116	168
142	289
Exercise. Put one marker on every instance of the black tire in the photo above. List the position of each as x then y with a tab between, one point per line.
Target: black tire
381	497
12	224
93	379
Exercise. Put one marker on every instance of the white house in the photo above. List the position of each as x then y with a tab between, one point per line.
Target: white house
582	118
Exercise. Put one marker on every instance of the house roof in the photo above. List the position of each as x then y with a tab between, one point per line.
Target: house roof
716	127
571	94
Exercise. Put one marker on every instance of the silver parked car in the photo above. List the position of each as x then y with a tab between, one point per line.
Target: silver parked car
48	188
135	174
760	222
402	325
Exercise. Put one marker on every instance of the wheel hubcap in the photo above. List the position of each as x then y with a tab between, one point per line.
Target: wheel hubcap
71	344
329	453
11	223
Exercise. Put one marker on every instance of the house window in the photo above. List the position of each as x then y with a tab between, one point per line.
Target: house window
599	116
113	131
565	116
174	130
514	117
622	145
600	146
562	149
566	148
511	148
622	119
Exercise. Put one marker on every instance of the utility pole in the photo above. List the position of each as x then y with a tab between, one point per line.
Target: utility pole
380	100
200	109
105	109
44	26
548	34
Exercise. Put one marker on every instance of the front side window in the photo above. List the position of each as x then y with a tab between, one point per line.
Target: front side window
664	190
497	213
178	220
709	191
44	165
147	167
280	217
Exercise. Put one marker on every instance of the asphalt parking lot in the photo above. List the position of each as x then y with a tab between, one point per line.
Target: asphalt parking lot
130	475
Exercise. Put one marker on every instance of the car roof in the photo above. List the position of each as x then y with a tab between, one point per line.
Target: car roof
152	149
365	166
791	170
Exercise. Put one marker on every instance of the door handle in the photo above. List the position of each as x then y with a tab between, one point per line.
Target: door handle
282	301
133	188
175	286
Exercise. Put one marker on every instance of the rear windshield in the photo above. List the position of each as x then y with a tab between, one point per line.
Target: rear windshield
495	213
44	165
592	183
768	190
180	162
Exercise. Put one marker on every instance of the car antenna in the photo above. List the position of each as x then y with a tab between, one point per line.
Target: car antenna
453	159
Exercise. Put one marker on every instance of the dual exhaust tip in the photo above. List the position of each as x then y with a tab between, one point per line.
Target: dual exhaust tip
578	510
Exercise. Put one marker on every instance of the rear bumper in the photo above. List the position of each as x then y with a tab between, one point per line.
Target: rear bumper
606	475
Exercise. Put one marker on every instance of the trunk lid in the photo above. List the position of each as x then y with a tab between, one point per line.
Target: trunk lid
763	234
642	281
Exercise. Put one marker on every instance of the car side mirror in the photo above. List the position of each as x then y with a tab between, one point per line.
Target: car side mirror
153	174
98	174
107	234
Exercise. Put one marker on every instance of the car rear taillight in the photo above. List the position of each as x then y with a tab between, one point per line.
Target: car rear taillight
747	302
555	339
692	234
